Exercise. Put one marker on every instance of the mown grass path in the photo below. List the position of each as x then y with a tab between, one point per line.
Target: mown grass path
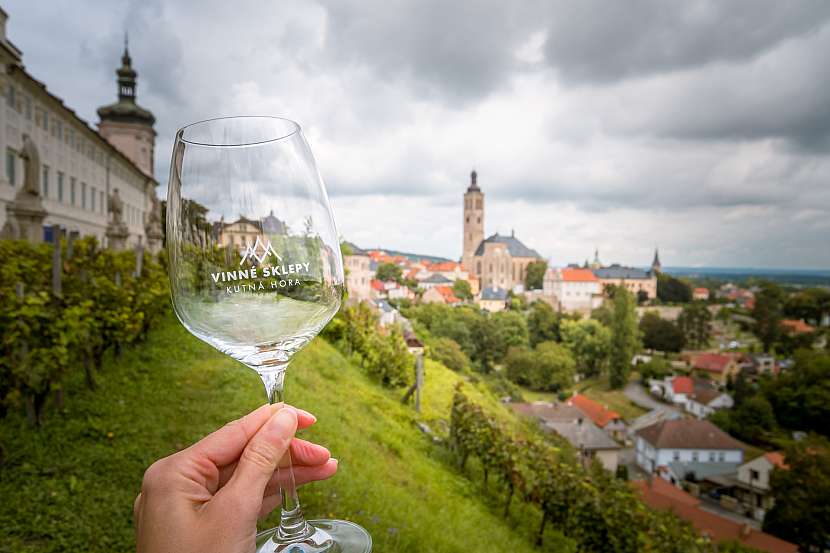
70	485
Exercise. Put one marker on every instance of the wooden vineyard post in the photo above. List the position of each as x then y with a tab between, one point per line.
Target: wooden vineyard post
419	380
139	260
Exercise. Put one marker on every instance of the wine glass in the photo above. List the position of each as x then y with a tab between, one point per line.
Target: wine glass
256	271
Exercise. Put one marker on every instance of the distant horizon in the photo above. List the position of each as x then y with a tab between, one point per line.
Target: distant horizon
812	271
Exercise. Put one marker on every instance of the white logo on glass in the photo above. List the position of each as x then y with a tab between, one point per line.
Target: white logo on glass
259	251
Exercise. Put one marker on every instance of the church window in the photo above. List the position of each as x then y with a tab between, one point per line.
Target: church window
92	198
44	186
478	203
468	218
60	186
478	267
478	220
491	267
11	160
83	195
102	201
72	190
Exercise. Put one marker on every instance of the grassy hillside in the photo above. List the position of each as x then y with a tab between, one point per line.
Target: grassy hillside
70	485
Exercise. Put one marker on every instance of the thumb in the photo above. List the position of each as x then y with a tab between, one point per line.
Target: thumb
261	456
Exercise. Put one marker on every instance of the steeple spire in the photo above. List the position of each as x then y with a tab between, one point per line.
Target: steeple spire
655	265
473	182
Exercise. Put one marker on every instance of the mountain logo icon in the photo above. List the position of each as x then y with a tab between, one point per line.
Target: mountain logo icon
259	251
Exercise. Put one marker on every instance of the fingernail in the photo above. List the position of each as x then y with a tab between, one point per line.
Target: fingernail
285	417
336	461
306	413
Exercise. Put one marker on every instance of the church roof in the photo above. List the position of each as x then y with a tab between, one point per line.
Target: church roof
514	246
618	271
473	182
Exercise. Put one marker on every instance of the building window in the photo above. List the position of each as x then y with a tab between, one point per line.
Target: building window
11	97
59	131
695	456
11	162
45	120
83	195
28	108
102	201
712	456
44	186
72	190
721	456
753	475
60	186
92	198
675	456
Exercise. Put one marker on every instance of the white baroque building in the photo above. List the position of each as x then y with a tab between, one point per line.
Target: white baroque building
76	167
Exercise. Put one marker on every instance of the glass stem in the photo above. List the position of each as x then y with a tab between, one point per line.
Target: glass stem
293	527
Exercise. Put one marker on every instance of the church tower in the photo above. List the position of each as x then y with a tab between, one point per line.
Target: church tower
473	222
125	124
656	267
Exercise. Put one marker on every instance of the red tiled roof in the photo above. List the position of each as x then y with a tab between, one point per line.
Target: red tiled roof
712	362
445	266
578	275
447	293
682	385
796	326
378	285
657	495
777	459
593	410
688	434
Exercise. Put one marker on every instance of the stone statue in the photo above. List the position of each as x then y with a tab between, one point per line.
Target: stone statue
116	208
154	216
31	167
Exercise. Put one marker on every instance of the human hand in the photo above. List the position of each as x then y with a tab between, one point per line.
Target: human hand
207	498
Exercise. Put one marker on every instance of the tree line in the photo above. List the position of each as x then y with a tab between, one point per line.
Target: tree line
62	307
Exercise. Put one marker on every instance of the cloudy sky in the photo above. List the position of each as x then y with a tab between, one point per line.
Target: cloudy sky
701	127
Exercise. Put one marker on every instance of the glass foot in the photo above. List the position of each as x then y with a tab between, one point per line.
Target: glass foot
330	536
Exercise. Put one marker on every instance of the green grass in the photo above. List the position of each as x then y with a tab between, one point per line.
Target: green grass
70	485
599	390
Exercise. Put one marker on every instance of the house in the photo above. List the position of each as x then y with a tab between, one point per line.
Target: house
676	389
378	290
388	315
440	294
796	326
701	294
659	494
652	417
754	365
633	280
434	280
702	403
449	269
720	367
358	273
752	483
492	299
572	424
610	421
574	289
687	447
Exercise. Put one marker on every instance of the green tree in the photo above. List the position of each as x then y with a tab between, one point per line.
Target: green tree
448	352
768	313
661	334
461	289
800	396
535	275
673	290
811	305
389	271
695	322
549	367
801	513
625	337
542	323
590	342
751	421
513	329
